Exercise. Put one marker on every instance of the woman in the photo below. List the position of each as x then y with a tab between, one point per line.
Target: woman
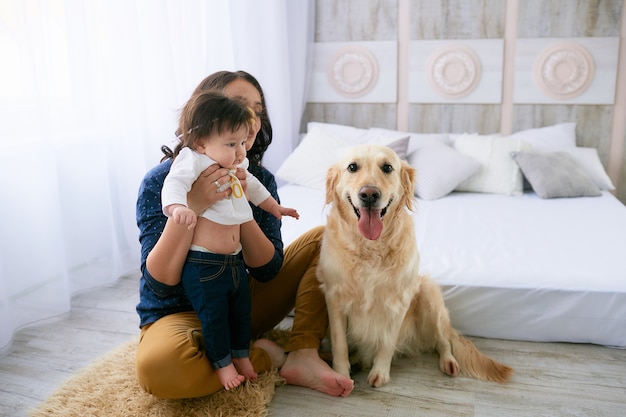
170	358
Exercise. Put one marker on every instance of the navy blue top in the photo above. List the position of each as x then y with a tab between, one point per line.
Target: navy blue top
156	299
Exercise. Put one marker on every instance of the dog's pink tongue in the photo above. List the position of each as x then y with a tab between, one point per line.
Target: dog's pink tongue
370	224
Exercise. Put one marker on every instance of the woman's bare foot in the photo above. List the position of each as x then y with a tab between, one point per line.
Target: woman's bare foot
245	367
275	352
229	377
305	368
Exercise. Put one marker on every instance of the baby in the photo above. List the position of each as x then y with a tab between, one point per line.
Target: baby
215	131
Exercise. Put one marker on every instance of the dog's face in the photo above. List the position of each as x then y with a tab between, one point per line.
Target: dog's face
369	184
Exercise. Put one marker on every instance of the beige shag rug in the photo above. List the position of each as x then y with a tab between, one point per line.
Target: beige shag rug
108	387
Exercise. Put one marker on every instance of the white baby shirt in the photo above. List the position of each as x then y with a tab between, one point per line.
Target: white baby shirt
186	168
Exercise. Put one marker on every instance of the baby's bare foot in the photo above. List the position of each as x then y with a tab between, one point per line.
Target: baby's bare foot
305	368
245	367
275	352
229	377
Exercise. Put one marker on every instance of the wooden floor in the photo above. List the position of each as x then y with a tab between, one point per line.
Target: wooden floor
551	379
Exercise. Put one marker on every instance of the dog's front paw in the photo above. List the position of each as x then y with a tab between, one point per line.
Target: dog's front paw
342	368
448	365
378	378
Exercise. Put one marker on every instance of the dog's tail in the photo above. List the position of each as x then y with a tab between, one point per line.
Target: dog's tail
476	364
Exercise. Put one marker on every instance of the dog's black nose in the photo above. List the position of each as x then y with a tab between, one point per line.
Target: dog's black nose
369	195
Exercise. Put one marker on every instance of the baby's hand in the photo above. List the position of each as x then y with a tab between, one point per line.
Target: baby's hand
285	211
184	215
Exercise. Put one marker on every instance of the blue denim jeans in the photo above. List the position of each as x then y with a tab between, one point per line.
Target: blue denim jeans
217	286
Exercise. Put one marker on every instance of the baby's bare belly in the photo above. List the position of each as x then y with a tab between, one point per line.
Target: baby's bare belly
215	237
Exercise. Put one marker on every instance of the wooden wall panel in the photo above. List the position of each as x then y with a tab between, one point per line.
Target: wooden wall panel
454	118
568	18
361	115
356	20
591	122
457	19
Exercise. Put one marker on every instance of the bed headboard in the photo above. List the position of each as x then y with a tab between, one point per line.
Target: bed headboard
481	66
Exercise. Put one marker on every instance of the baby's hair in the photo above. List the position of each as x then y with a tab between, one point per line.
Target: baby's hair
211	112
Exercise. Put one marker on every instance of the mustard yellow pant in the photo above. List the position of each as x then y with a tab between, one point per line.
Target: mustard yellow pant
170	361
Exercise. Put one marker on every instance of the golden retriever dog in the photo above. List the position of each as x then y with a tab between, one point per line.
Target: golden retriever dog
377	301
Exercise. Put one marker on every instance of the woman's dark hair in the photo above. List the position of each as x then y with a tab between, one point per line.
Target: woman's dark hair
218	81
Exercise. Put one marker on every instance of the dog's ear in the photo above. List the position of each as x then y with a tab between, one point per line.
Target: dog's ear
332	176
407	177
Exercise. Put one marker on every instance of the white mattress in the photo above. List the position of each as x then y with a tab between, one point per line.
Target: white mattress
519	268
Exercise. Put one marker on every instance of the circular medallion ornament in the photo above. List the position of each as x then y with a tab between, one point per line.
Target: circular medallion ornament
563	71
453	71
352	72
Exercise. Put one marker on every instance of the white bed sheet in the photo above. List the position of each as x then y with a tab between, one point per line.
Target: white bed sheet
520	268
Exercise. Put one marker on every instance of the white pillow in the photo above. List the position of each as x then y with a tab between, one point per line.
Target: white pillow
398	146
499	173
440	169
549	138
415	139
347	132
455	136
308	163
322	146
589	161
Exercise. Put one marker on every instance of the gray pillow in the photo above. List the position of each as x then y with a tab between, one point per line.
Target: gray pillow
555	175
400	147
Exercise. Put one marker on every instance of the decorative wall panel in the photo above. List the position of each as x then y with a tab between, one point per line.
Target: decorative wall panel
354	72
566	70
455	71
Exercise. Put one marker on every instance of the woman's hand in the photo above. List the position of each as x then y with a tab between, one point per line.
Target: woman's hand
204	191
241	173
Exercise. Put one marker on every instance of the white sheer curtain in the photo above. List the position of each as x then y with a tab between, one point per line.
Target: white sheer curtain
89	90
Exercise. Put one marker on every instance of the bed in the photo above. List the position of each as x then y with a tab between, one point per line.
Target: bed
516	259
